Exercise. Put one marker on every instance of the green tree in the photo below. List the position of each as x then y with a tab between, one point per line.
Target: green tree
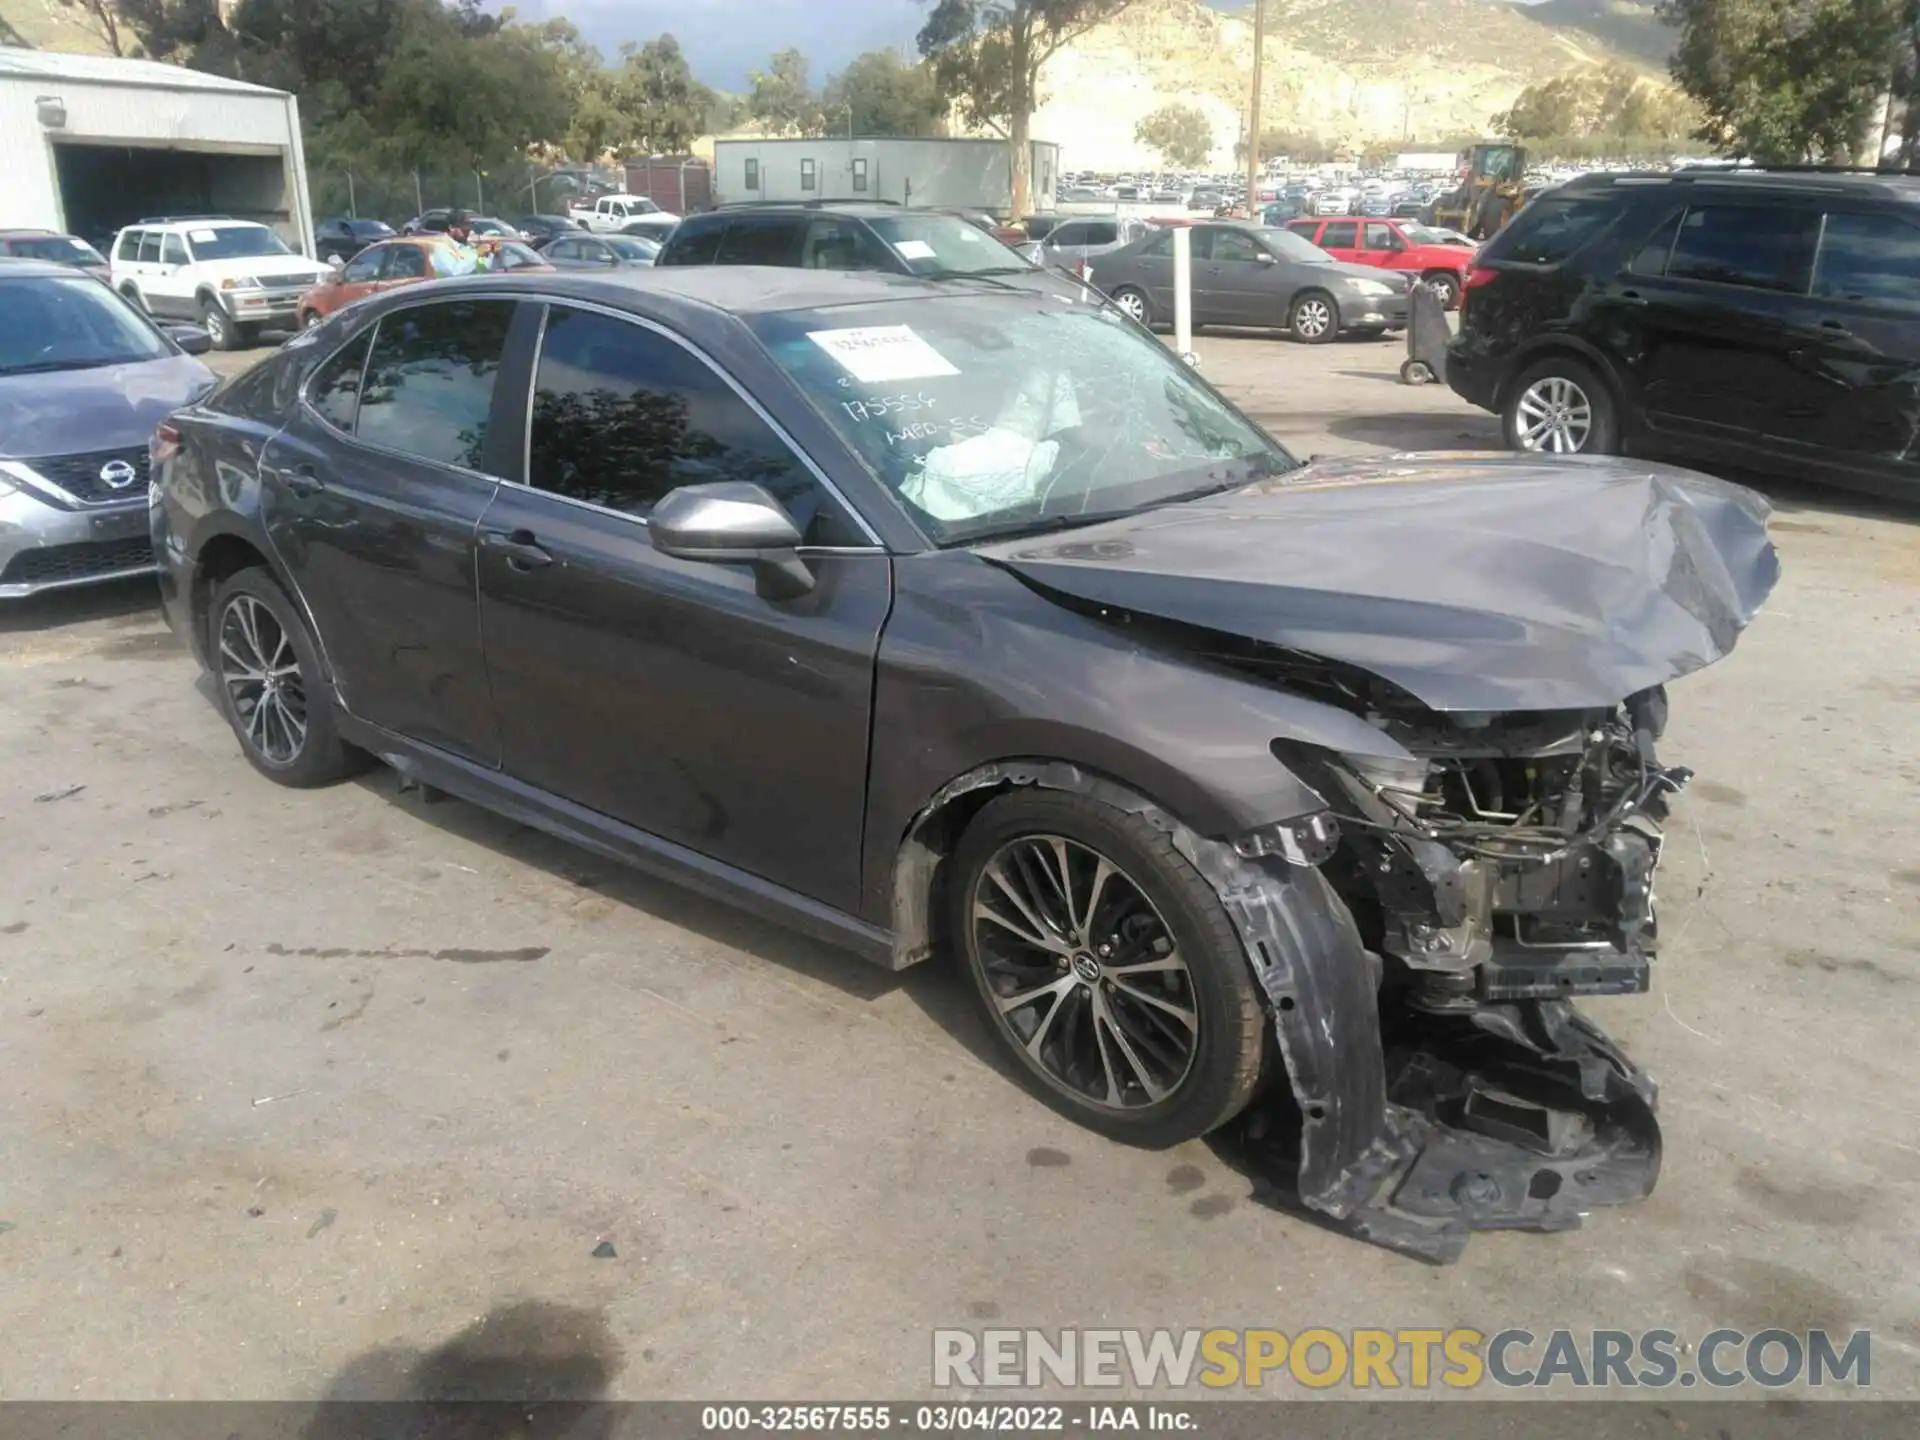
663	107
781	99
986	56
1788	80
882	93
1181	133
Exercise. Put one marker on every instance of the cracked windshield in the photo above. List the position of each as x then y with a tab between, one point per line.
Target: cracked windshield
996	418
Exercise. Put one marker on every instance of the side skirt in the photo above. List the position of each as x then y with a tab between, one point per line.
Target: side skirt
492	790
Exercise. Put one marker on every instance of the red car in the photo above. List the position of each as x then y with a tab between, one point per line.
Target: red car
1392	245
407	260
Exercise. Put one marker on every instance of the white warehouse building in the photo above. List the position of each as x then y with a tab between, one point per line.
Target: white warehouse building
91	144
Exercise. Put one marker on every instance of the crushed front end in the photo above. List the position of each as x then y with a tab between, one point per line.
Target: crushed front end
1503	870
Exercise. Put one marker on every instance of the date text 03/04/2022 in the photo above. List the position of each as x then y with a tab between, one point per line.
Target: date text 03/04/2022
946	1418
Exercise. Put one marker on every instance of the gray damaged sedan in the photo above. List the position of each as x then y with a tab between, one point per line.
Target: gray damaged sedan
84	379
1252	275
939	617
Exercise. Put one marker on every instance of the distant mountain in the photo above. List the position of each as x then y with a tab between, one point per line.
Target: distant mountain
1355	72
1630	27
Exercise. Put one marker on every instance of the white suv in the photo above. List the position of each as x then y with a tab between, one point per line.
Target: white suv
234	277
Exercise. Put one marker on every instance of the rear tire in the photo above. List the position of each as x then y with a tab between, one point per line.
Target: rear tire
1314	318
1147	1025
131	294
1559	406
1134	303
1445	286
272	687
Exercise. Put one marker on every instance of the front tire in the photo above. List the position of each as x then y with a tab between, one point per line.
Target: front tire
1559	406
1107	968
1313	318
272	688
131	294
220	325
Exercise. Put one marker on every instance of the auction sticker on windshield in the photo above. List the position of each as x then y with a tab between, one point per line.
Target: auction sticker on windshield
877	354
913	249
203	237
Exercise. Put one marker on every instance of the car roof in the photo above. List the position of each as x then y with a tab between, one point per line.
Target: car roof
872	209
1811	179
19	267
27	232
688	295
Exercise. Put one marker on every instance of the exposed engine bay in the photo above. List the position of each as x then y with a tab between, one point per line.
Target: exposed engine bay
1506	870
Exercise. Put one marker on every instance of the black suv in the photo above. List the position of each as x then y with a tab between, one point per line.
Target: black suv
1762	318
840	235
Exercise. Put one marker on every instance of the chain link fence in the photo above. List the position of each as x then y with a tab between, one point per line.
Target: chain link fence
396	196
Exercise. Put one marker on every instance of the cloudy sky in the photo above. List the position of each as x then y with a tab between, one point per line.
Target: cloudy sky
724	39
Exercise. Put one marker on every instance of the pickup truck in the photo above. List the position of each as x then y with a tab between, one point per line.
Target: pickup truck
612	213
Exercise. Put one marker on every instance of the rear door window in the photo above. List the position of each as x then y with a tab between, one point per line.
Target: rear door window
1382	237
1101	232
1071	233
150	248
429	385
1340	235
761	240
363	268
129	246
1305	229
1759	247
334	390
405	262
693	244
1869	259
1550	231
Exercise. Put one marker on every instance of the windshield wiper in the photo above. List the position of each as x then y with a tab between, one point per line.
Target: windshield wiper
48	367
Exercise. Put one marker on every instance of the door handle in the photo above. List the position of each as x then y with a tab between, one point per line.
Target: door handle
518	547
1837	328
1633	297
302	481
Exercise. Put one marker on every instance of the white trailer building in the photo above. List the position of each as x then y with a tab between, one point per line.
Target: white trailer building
971	174
89	144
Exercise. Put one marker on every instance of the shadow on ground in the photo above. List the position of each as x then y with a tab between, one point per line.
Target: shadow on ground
117	600
527	1369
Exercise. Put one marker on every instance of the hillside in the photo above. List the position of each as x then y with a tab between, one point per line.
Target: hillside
40	26
1628	26
1381	70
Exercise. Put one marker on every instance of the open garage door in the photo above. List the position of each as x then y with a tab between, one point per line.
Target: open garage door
106	187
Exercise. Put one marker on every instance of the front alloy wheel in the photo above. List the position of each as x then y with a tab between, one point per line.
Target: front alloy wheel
261	675
1107	967
1314	319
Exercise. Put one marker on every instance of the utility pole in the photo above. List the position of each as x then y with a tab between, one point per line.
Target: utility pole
1253	108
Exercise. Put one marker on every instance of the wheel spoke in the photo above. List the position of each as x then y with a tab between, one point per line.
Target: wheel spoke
1146	997
1042	934
1083	921
1170	961
1103	1018
247	672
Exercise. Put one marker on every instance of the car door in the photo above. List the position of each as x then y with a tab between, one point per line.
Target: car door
1381	245
403	265
361	276
1238	283
670	694
1718	321
372	495
1863	346
1341	239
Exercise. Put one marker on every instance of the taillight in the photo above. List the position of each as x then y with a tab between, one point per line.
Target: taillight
164	445
1479	275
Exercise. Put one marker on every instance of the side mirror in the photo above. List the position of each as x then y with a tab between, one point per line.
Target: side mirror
733	520
336	264
190	338
1263	257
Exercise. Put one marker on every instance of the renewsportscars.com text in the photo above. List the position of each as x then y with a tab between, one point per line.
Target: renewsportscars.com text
1416	1359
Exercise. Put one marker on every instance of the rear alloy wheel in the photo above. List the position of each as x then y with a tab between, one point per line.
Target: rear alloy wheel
270	686
1107	967
1445	286
1560	407
309	319
1313	318
1133	304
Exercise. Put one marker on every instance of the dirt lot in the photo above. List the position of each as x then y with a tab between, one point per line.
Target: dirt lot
308	1091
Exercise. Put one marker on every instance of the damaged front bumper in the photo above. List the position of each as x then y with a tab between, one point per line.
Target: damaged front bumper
1445	1082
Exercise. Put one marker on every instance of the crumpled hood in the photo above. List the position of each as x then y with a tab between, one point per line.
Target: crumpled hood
1474	582
117	407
